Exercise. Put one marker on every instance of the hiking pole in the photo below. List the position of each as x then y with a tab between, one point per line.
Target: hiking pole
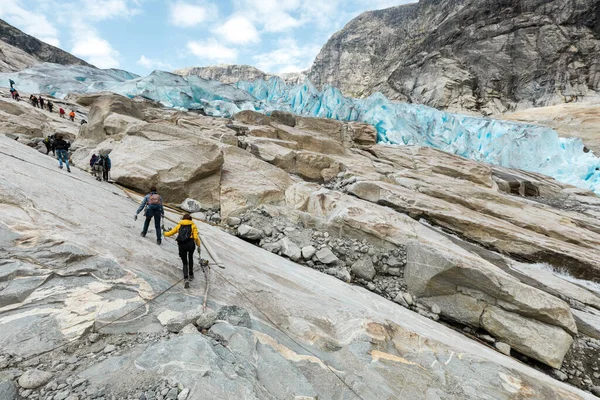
206	268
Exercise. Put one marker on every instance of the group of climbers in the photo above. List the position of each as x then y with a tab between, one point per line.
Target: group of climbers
40	102
100	165
187	232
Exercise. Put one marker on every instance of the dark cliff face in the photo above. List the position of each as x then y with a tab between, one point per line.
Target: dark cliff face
39	50
478	55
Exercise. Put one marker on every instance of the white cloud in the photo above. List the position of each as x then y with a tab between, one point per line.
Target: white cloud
287	57
238	30
212	51
273	15
189	14
88	45
29	22
149	63
104	9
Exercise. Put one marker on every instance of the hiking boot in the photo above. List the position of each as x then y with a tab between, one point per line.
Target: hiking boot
186	284
143	234
158	242
60	166
191	277
68	169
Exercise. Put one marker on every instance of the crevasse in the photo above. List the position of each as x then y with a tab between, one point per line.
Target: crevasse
515	145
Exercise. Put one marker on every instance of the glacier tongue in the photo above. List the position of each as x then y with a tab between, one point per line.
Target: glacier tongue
522	146
527	147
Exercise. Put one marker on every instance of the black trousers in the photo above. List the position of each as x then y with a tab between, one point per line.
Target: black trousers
105	174
156	214
186	252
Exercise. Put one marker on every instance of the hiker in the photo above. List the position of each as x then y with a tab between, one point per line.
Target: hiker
41	100
34	100
105	163
62	147
49	143
72	116
61	112
16	96
12	83
93	160
50	105
187	240
154	208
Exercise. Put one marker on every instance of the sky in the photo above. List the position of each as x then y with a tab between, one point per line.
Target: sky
143	35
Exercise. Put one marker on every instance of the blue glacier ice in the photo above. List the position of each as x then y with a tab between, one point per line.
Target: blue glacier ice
515	145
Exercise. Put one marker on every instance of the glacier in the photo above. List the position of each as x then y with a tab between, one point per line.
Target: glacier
509	144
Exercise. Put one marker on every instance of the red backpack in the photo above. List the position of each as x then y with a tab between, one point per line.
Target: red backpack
154	199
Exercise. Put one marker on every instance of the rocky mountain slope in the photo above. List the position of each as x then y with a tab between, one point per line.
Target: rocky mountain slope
19	50
232	73
467	55
392	272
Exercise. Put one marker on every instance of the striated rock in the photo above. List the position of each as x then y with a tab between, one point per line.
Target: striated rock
503	348
205	321
543	342
8	389
235	315
588	323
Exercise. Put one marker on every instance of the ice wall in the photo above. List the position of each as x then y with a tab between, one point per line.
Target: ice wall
513	145
522	146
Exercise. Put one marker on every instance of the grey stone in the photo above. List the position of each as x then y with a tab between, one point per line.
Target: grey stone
561	376
177	323
191	206
408	297
290	249
233	221
272	247
595	390
189	329
364	269
543	342
400	300
250	233
235	316
34	378
326	256
284	117
184	394
61	395
588	323
503	348
308	252
109	348
205	321
78	382
172	394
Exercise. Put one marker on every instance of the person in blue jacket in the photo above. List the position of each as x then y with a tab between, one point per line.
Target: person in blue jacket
154	209
104	161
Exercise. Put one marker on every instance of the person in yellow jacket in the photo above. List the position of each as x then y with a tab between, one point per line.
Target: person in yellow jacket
187	240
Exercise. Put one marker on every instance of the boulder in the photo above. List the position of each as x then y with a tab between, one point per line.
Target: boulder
180	165
284	117
538	340
191	206
326	256
247	182
180	321
34	378
364	269
250	233
235	315
308	252
588	323
290	249
205	321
